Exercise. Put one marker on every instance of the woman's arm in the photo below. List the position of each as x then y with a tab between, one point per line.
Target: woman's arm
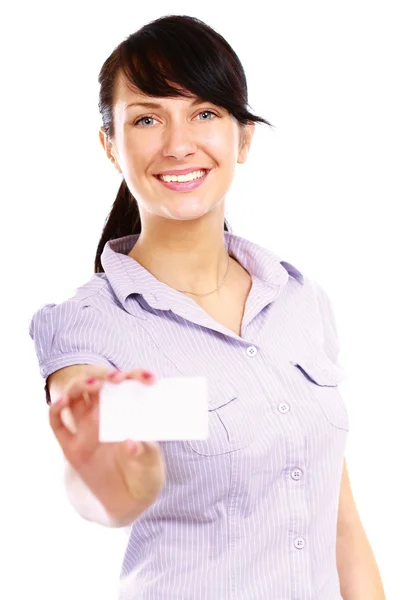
84	501
357	568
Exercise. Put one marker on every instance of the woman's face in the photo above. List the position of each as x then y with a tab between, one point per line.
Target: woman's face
177	134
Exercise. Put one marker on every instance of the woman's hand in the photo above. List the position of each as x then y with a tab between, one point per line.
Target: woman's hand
126	477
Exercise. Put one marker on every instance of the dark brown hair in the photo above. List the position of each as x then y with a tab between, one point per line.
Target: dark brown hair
178	49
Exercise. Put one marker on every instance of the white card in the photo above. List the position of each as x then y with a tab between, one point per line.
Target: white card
173	408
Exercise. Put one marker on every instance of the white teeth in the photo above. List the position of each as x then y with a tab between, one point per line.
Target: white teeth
189	177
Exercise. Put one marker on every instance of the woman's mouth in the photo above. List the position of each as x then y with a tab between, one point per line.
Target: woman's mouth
184	186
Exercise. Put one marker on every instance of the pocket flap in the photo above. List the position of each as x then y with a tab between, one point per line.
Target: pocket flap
220	392
320	368
229	429
325	375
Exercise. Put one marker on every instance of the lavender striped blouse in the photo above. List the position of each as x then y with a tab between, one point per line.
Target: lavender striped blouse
251	512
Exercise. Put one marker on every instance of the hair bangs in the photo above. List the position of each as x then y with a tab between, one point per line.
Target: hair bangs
168	63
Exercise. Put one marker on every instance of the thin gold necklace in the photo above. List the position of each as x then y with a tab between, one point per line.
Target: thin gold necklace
218	288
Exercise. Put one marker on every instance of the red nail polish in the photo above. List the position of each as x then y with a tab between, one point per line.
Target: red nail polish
147	375
113	374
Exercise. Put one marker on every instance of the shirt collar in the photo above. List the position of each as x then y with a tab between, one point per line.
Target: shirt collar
126	276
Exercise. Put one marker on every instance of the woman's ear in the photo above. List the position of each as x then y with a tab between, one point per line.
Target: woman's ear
246	135
108	147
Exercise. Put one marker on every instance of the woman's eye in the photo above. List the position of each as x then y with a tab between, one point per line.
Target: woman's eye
142	119
148	117
205	112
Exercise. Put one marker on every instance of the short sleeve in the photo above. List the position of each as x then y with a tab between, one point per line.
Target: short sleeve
332	345
69	333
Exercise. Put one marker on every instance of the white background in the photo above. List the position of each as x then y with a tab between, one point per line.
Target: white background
321	191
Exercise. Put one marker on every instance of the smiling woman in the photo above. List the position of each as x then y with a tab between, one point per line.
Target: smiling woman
252	510
195	86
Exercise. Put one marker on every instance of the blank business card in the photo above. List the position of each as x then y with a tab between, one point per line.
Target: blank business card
174	408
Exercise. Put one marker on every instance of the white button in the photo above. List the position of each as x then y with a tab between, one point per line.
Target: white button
283	407
296	474
251	351
299	542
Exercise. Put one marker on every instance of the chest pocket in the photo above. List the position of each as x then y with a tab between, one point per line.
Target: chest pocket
322	377
229	424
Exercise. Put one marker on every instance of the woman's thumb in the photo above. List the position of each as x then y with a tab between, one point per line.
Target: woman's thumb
132	448
145	450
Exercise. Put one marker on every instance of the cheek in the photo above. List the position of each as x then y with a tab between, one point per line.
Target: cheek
221	145
138	162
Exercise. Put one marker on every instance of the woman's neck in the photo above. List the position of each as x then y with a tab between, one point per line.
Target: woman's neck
197	265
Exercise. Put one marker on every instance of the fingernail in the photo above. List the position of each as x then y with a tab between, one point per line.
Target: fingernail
147	376
113	374
91	380
132	447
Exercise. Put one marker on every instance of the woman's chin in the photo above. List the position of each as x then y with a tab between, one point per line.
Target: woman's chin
187	211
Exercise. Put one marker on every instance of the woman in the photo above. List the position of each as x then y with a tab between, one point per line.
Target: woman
251	512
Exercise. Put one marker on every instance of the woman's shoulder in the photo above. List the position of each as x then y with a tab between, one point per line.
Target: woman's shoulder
97	291
93	298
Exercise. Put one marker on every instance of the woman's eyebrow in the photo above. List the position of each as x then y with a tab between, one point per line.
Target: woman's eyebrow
157	105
